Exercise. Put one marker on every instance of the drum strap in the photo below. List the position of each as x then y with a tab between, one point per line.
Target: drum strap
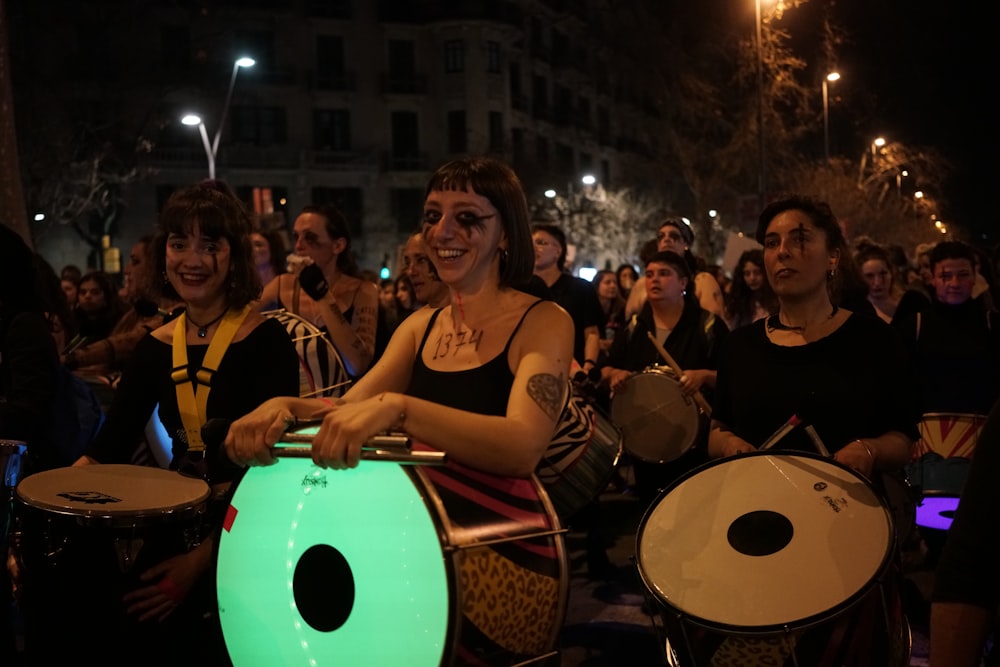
193	405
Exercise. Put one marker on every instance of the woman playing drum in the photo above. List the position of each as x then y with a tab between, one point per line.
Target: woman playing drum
692	336
819	378
238	359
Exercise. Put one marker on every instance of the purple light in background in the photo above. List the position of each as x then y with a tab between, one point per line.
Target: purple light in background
937	512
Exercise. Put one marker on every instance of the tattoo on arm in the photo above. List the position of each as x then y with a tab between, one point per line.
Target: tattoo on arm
546	390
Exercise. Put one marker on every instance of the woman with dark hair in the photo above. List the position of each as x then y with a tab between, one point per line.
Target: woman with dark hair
99	307
750	297
268	254
626	277
846	380
323	286
204	258
405	296
612	305
483	379
876	266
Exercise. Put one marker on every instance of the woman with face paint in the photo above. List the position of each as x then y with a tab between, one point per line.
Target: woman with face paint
476	233
203	257
817	378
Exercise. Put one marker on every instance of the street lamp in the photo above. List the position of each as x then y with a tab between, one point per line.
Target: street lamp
761	184
212	149
832	76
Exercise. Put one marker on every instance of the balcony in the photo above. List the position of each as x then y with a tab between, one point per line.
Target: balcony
343	160
333	81
418	161
405	84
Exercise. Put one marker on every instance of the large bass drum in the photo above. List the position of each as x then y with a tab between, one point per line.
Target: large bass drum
321	371
389	564
774	559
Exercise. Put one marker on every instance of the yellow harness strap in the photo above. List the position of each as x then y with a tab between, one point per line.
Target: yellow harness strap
192	404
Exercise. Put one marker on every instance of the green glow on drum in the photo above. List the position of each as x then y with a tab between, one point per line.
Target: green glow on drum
332	567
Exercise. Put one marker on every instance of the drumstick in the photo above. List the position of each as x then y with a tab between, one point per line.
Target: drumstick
698	398
814	436
388	441
782	431
392	456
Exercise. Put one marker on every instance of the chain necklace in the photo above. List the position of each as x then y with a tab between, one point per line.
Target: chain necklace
774	323
203	328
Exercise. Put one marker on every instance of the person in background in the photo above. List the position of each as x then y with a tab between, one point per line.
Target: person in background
574	294
675	234
268	254
406	298
418	267
966	590
626	277
750	297
69	280
613	307
203	250
876	267
98	307
322	287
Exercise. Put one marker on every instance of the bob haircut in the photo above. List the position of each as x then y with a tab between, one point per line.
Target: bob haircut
213	207
495	180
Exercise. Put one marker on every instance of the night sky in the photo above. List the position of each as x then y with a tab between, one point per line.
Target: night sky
933	68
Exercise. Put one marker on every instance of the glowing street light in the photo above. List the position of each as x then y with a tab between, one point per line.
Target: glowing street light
832	76
588	179
212	148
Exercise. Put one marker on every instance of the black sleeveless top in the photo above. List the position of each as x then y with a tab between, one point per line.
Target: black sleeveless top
483	390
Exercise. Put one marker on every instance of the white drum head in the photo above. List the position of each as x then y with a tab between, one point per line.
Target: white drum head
764	541
112	490
657	420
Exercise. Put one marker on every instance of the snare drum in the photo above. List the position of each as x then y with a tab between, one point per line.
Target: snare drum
84	536
657	420
389	564
786	557
321	370
580	461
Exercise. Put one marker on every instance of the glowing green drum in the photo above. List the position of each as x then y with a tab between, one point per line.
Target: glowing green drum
389	564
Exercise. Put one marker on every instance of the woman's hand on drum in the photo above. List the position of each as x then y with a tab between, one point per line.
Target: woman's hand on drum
617	378
858	456
349	426
252	436
167	584
692	381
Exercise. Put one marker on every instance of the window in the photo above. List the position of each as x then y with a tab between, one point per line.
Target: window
329	56
454	56
564	158
496	131
347	200
260	126
493	57
332	129
456	132
406	208
542	152
405	134
402	58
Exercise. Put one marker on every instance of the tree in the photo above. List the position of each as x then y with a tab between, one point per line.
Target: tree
13	213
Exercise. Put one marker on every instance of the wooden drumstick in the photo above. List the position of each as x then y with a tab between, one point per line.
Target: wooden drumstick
698	398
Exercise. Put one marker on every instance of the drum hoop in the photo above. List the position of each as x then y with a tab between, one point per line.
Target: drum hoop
782	628
123	519
286	317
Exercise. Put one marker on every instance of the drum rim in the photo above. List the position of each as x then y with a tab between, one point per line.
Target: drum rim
776	628
701	420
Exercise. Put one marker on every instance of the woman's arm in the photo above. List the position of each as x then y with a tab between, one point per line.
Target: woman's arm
723	442
354	340
887	451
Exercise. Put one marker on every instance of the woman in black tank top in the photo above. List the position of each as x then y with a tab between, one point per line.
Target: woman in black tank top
483	379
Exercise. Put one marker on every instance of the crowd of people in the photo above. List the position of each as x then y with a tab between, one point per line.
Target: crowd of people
810	343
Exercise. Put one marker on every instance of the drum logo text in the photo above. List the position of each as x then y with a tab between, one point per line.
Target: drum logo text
89	497
314	480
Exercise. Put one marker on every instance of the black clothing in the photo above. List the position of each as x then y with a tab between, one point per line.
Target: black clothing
484	390
854	383
579	299
694	343
956	354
